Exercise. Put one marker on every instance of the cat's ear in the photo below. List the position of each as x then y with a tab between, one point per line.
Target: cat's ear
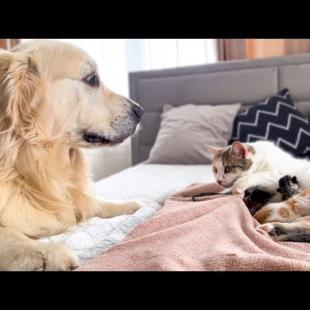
213	149
239	149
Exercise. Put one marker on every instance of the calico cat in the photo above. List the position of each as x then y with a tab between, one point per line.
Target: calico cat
260	165
240	166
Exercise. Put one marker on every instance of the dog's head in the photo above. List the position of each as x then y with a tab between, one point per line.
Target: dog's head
54	89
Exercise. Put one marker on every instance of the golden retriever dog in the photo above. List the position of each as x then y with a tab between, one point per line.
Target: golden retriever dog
52	103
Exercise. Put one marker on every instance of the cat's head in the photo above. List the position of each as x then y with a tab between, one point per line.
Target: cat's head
231	162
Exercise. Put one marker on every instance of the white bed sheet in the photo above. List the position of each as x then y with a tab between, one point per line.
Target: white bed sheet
152	182
148	184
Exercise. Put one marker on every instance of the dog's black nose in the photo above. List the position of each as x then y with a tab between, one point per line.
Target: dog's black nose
137	110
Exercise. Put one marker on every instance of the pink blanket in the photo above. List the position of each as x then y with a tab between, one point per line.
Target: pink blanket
214	234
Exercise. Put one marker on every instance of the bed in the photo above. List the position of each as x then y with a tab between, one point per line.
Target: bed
221	83
98	235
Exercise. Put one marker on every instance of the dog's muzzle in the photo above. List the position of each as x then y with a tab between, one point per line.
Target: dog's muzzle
136	111
121	133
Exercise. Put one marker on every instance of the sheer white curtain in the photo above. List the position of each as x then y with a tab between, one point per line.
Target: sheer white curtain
117	57
110	56
148	54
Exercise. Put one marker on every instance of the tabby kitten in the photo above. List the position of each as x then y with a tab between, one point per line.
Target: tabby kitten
261	164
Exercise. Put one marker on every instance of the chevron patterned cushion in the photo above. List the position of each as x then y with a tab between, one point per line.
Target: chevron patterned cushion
275	119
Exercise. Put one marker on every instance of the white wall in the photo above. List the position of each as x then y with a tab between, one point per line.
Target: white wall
109	160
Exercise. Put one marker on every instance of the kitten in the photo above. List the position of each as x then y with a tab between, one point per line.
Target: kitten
292	214
261	164
288	187
255	198
288	220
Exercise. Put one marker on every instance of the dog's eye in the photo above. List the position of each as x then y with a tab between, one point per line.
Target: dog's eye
227	169
214	170
92	80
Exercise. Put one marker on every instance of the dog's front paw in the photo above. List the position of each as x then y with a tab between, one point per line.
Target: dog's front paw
58	257
131	207
44	257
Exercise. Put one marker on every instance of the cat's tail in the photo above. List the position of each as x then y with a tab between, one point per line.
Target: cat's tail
286	233
298	237
295	232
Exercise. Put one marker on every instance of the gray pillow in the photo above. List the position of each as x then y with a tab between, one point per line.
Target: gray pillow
186	130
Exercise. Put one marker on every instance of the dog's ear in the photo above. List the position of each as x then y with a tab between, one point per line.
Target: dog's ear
19	79
6	59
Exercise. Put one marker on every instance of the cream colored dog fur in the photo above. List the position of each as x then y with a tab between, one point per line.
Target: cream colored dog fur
51	104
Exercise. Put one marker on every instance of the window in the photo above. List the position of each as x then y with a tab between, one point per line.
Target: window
117	57
147	54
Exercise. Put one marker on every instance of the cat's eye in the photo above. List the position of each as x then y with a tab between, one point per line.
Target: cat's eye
227	169
92	80
214	170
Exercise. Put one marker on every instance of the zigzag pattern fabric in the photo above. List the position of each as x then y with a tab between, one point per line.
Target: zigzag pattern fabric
276	119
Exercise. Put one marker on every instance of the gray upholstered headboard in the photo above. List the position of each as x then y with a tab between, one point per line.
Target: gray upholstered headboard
245	81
